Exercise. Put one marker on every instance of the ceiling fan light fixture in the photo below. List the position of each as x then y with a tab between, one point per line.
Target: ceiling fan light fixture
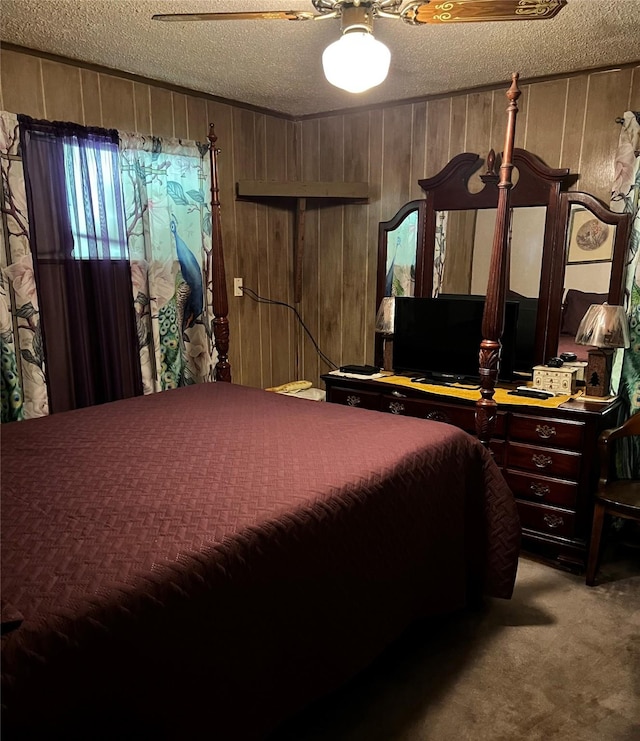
356	62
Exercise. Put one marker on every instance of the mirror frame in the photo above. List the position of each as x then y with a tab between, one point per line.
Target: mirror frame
537	185
391	225
617	289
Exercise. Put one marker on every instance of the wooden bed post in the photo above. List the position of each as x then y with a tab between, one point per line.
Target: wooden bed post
493	317
218	279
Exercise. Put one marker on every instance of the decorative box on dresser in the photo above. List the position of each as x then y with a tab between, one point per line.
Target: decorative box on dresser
548	456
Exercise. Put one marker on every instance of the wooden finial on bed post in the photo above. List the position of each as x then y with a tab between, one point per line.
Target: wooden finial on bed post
218	278
493	318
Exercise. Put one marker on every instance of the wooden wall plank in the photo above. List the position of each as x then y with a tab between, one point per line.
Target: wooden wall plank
330	244
247	238
280	258
180	128
354	253
91	102
309	306
374	217
606	91
21	83
143	108
478	123
161	111
573	124
547	103
118	103
419	148
438	133
264	266
62	91
197	122
458	126
396	158
634	95
477	139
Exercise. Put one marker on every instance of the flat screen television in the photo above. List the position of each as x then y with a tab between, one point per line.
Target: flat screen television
523	360
440	338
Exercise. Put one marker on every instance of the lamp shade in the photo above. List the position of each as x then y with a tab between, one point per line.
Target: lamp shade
386	315
604	326
356	62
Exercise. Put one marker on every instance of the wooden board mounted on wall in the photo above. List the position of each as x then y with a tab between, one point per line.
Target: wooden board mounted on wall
301	191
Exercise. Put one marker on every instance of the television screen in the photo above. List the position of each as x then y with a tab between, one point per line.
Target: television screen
523	360
440	337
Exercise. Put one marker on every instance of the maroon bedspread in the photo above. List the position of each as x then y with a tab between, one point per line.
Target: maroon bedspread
202	562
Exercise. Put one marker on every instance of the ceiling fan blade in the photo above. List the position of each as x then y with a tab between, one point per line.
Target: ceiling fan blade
477	11
270	15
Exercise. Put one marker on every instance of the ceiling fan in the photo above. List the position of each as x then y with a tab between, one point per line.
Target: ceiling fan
357	61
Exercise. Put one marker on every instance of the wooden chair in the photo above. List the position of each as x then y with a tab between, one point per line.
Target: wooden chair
619	497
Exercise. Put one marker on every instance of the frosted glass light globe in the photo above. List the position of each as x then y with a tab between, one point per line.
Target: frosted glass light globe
356	62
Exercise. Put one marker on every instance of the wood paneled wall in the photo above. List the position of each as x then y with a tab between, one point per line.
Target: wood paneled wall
568	122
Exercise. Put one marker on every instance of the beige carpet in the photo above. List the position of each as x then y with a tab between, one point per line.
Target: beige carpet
558	661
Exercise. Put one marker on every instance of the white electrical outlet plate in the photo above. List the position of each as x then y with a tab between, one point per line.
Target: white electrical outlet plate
237	286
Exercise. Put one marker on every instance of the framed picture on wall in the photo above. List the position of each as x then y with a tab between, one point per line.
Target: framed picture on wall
590	240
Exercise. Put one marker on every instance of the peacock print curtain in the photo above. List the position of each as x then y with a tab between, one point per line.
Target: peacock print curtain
625	198
166	188
23	385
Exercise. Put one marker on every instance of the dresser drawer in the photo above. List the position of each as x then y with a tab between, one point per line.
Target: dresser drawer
550	520
542	490
546	461
547	431
459	416
351	398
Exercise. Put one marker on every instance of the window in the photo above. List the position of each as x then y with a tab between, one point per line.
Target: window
94	200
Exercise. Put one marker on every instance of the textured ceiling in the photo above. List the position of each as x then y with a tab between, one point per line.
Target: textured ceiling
277	64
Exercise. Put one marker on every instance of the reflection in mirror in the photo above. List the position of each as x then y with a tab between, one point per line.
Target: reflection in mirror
468	258
589	251
589	255
526	245
401	248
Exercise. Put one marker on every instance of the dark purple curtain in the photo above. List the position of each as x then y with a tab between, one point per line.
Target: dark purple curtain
86	304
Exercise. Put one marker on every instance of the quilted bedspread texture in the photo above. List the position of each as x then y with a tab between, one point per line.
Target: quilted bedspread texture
204	561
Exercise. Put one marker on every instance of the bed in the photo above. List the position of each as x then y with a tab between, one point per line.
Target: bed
283	548
257	576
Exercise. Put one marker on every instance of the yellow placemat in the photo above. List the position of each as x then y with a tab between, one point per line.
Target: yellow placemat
459	391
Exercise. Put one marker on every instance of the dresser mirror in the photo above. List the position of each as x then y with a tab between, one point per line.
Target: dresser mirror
400	246
559	240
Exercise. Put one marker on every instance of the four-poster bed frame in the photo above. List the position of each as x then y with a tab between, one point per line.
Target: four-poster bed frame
157	587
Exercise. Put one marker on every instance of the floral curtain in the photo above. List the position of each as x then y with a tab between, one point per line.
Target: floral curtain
625	198
22	375
167	195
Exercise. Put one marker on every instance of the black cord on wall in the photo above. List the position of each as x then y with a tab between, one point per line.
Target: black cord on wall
262	300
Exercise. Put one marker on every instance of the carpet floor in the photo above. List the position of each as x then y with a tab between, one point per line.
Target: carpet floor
558	661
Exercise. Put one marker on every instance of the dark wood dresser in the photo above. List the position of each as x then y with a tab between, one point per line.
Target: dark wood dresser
548	457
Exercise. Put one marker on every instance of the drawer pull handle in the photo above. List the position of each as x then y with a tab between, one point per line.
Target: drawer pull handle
553	521
545	432
395	407
540	490
437	416
353	401
398	394
541	461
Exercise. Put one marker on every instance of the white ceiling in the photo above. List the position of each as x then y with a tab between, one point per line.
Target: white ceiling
277	64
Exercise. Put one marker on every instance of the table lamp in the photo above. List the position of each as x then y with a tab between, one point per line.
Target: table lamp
605	328
385	327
